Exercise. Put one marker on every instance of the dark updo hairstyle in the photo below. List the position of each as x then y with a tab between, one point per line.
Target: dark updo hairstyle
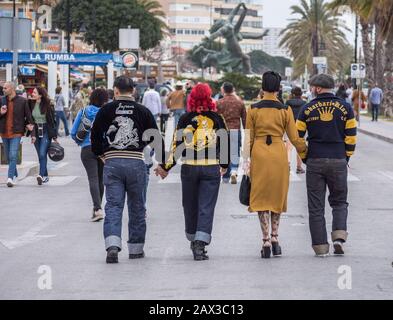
271	81
99	97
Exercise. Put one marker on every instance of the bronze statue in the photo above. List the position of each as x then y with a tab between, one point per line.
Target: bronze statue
231	57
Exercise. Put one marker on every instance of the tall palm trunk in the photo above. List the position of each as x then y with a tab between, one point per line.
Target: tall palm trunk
388	77
368	50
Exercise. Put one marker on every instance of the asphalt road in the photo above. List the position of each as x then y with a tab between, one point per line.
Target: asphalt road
50	250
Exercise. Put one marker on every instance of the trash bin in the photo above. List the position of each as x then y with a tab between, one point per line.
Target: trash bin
3	157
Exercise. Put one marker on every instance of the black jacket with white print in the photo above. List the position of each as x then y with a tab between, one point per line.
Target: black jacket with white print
123	128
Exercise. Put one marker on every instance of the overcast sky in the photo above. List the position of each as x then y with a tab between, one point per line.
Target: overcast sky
277	12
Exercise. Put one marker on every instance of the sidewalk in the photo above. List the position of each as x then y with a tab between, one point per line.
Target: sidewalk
382	129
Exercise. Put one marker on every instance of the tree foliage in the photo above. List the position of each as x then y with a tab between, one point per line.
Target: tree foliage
317	30
102	20
262	62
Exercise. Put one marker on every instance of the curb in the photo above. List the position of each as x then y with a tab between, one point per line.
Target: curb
376	135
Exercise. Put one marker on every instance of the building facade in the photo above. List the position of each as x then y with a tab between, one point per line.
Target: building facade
190	20
271	44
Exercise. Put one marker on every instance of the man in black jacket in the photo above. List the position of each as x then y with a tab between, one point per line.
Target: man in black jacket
14	114
331	127
121	131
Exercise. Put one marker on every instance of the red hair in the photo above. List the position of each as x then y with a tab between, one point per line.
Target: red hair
200	99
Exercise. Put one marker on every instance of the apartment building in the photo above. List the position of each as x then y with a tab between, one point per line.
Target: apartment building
190	20
271	44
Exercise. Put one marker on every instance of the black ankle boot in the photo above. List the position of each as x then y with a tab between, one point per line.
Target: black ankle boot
198	249
112	255
276	247
266	250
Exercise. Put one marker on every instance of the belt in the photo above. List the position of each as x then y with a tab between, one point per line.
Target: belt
270	139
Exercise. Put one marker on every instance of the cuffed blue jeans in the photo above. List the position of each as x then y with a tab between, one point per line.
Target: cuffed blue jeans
200	187
125	177
11	148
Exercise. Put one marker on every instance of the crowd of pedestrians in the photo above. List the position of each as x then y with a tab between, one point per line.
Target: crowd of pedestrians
210	139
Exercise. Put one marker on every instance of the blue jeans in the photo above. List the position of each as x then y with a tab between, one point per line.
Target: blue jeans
375	111
200	186
42	145
177	114
235	146
11	147
125	177
60	115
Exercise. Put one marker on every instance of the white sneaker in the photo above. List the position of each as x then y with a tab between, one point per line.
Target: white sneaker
322	255
14	181
10	183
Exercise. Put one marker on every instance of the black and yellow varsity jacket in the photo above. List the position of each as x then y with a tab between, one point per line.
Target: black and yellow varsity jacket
200	139
331	127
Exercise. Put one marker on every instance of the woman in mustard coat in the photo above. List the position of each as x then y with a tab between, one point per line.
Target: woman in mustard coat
266	159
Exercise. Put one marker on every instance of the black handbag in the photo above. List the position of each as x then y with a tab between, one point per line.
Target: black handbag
84	127
245	190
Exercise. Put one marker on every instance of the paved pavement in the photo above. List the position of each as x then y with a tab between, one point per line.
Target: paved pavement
45	234
381	129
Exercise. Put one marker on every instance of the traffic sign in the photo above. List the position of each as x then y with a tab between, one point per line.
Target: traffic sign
358	71
320	60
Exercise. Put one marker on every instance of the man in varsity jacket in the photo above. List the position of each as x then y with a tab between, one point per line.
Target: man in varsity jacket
121	131
331	127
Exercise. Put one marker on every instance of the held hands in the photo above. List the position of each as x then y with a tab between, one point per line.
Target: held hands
33	140
246	167
223	171
159	171
3	110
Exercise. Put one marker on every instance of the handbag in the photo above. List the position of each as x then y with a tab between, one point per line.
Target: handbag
245	190
83	128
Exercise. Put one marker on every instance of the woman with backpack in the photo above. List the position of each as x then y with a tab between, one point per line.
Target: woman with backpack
43	115
94	166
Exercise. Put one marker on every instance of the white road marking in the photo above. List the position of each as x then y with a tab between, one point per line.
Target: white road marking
53	181
352	178
28	237
56	166
387	174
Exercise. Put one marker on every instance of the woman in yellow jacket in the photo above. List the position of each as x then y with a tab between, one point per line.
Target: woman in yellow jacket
267	160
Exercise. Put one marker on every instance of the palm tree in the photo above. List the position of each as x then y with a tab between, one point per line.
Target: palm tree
318	31
154	7
378	13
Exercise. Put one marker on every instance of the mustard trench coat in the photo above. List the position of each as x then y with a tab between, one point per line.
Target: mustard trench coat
267	122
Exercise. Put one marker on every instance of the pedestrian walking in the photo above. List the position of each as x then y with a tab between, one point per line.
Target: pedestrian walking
359	101
93	165
45	129
202	133
331	127
176	102
164	114
266	160
14	115
152	100
233	110
376	98
342	92
21	91
118	138
296	103
60	113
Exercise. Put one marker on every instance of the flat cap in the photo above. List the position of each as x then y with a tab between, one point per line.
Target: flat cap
322	80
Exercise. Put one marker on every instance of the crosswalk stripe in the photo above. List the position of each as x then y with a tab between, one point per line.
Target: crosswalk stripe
388	174
53	181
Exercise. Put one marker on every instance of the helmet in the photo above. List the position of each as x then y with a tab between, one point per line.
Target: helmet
56	152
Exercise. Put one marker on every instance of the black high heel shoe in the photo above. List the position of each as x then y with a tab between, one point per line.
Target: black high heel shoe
276	247
266	250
